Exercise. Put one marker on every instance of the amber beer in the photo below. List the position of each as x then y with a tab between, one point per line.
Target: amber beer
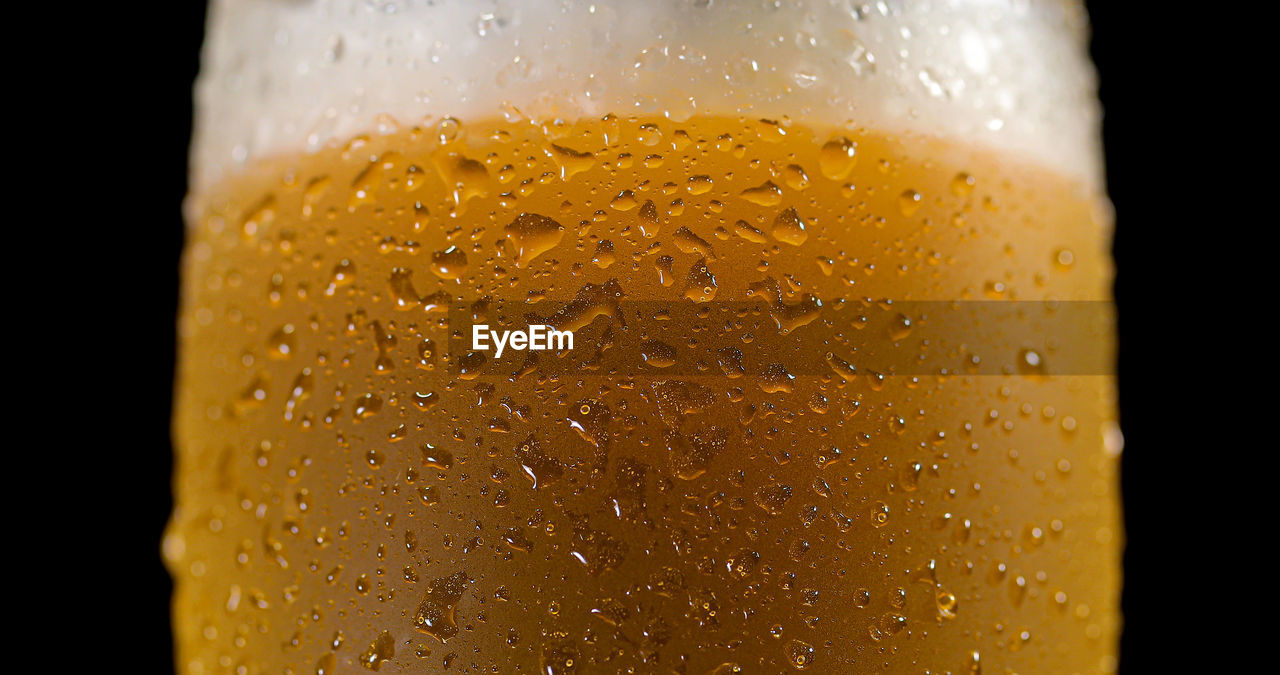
358	489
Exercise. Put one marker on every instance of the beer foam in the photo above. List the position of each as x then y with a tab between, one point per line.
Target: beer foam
284	76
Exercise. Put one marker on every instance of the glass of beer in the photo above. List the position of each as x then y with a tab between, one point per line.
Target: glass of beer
646	337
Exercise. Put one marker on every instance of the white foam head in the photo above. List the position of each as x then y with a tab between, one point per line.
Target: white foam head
289	76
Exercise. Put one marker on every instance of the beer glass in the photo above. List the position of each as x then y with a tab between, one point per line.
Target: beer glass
831	389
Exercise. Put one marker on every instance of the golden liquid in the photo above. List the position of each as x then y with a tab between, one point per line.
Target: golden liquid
347	499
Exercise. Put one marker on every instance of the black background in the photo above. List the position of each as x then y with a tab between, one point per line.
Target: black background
1135	127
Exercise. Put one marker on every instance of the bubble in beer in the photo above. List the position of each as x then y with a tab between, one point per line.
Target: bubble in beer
382	649
765	194
532	235
451	263
909	202
800	654
436	612
789	228
837	158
